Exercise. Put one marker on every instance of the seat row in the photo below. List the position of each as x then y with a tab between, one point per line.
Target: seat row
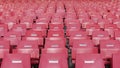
57	61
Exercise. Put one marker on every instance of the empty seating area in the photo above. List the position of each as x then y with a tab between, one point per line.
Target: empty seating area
59	33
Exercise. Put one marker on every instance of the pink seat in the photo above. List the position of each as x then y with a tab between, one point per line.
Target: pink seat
92	27
28	21
56	33
86	22
71	31
109	47
100	35
16	61
53	61
13	37
83	47
33	33
89	61
28	47
102	22
115	60
10	22
20	29
110	28
3	29
54	43
78	36
56	25
117	35
34	36
55	51
117	22
40	28
4	48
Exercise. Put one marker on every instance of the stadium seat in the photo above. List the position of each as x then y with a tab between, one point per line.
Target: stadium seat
102	22
55	51
92	27
109	47
34	36
86	22
13	37
89	60
117	35
53	60
16	61
4	48
41	28
49	41
3	29
54	43
110	28
28	21
115	60
20	29
56	33
28	47
73	25
100	35
70	31
56	25
10	23
83	47
117	22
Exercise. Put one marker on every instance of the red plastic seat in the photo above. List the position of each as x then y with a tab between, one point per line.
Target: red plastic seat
117	22
86	22
109	47
71	21
54	43
56	25
71	31
78	33
100	35
92	27
28	21
28	47
95	17
41	28
102	22
3	29
110	17
55	51
20	29
73	25
33	33
110	28
16	61
13	37
4	48
115	60
43	21
53	61
79	36
89	61
117	35
37	39
56	20
83	47
56	33
10	22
